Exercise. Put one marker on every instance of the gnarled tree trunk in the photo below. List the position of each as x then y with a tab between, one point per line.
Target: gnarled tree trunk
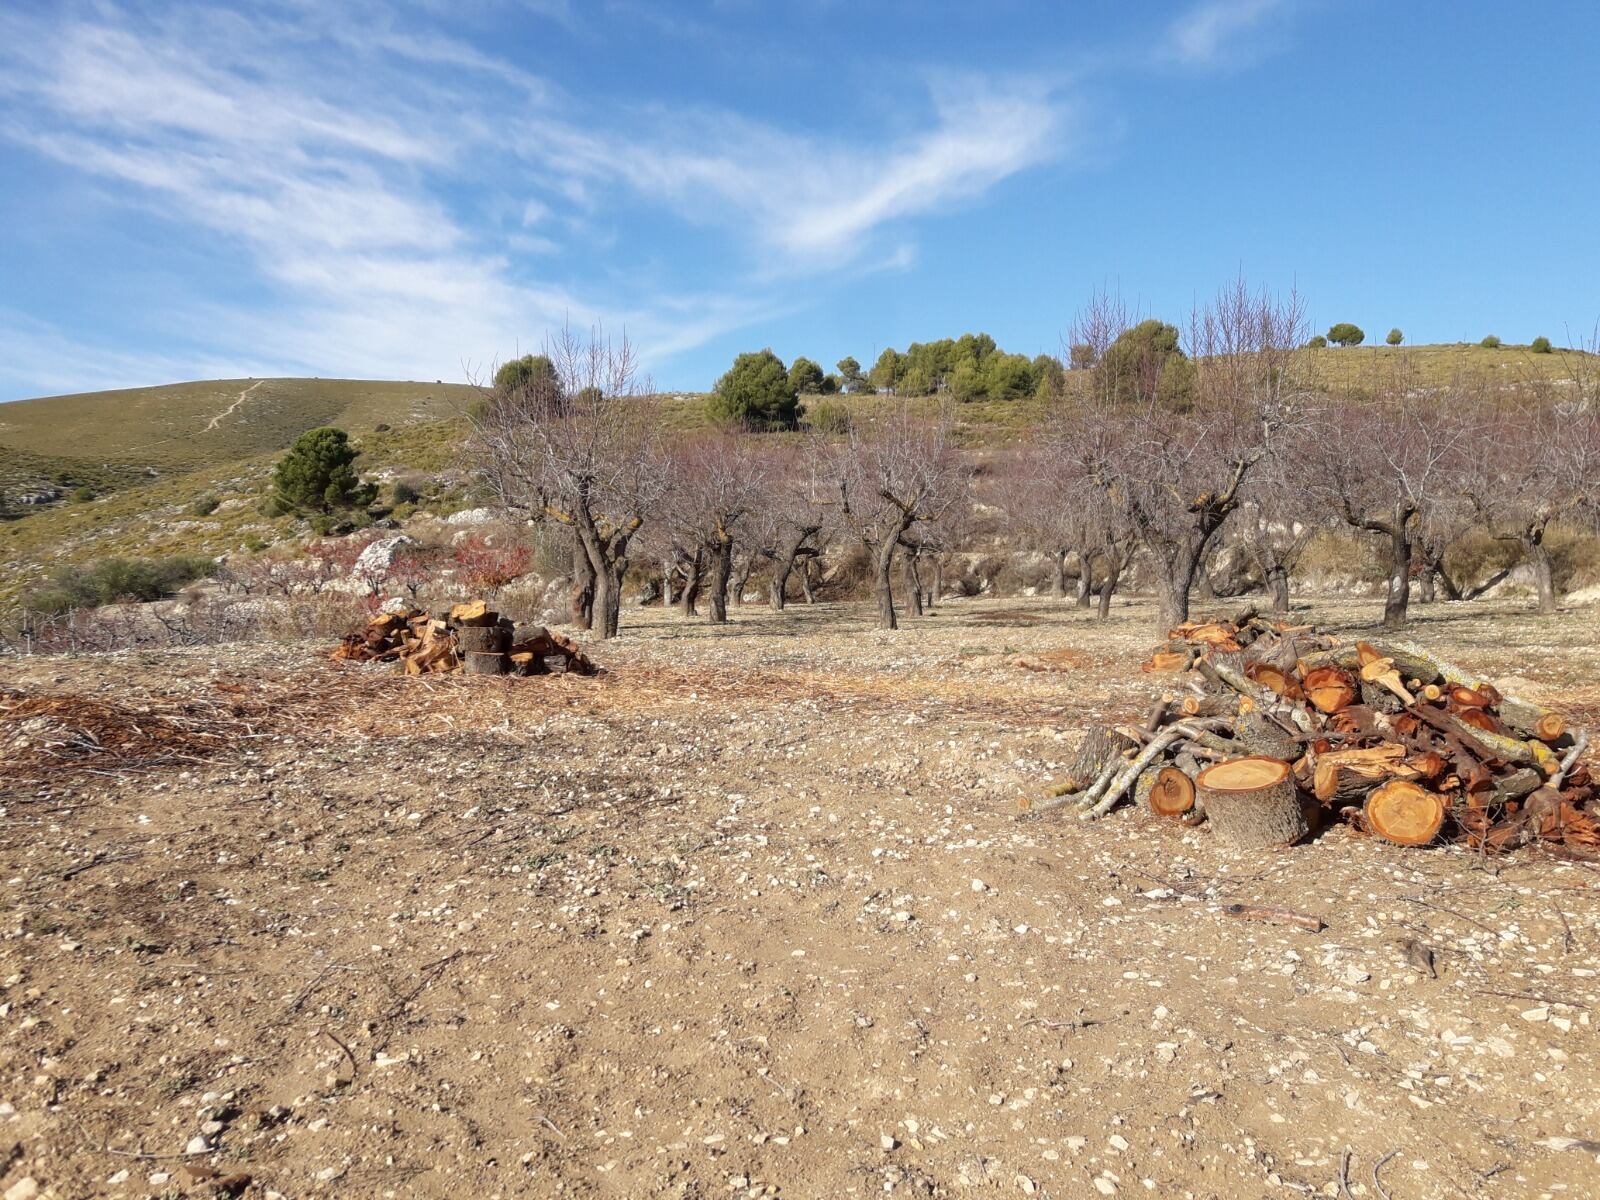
691	583
581	603
721	571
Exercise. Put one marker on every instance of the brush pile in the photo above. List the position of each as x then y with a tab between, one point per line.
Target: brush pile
1279	729
470	638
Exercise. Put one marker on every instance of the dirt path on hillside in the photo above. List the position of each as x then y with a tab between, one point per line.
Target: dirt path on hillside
232	408
671	934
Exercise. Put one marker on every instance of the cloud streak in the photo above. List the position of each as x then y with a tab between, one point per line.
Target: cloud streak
352	187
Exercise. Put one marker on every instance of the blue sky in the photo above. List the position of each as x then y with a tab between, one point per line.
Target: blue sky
415	188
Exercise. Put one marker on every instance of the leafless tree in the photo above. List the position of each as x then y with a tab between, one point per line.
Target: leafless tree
800	507
581	451
1379	464
895	474
720	480
1178	474
1537	458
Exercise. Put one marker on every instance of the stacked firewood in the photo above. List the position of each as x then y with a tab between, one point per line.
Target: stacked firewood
470	637
1279	730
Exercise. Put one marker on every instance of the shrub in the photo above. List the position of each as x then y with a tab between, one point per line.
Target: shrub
829	417
756	391
524	372
1148	353
403	491
110	580
1490	342
204	506
1540	345
82	495
255	543
1395	337
1317	343
1346	334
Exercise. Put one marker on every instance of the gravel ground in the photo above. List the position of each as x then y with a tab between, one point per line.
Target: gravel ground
753	914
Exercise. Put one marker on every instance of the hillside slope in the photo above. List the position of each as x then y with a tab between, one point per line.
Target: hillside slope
212	422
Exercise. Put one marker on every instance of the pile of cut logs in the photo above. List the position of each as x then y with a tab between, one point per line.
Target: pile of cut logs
1279	730
470	638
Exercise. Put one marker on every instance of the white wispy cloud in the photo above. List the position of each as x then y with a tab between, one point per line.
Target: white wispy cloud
1208	34
301	136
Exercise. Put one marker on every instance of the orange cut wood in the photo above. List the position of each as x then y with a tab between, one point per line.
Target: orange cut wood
1549	727
1404	813
1330	689
1276	679
1478	719
1469	697
1164	662
1173	793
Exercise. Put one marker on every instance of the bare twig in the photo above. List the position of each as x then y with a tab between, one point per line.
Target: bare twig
1378	1166
1277	916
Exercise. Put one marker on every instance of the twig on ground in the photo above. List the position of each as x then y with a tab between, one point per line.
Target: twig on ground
1378	1166
1276	916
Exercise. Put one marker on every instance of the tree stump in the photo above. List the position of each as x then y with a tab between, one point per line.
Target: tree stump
1099	746
482	639
1404	813
1252	802
477	663
1263	736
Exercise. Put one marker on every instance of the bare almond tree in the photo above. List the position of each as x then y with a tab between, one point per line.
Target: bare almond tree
720	481
1177	471
800	508
895	474
1536	465
1380	464
582	451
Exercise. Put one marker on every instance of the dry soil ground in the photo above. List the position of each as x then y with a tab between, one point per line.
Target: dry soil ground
754	914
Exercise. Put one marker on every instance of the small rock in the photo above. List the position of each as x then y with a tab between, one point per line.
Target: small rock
887	1142
1028	1186
979	885
25	1188
1104	1186
198	1144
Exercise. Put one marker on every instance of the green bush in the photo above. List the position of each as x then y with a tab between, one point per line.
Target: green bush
1149	352
82	495
110	580
1540	345
1395	337
525	372
1491	342
1346	334
1317	343
254	542
404	492
829	417
204	506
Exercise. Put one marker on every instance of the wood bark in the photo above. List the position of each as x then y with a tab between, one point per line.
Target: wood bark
1252	803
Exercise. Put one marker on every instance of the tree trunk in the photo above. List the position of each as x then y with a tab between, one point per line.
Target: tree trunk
691	585
668	596
913	583
1543	573
611	607
885	585
1172	590
937	589
1085	579
743	580
1278	584
1058	575
806	583
721	571
781	571
1425	584
581	604
1398	600
1108	586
